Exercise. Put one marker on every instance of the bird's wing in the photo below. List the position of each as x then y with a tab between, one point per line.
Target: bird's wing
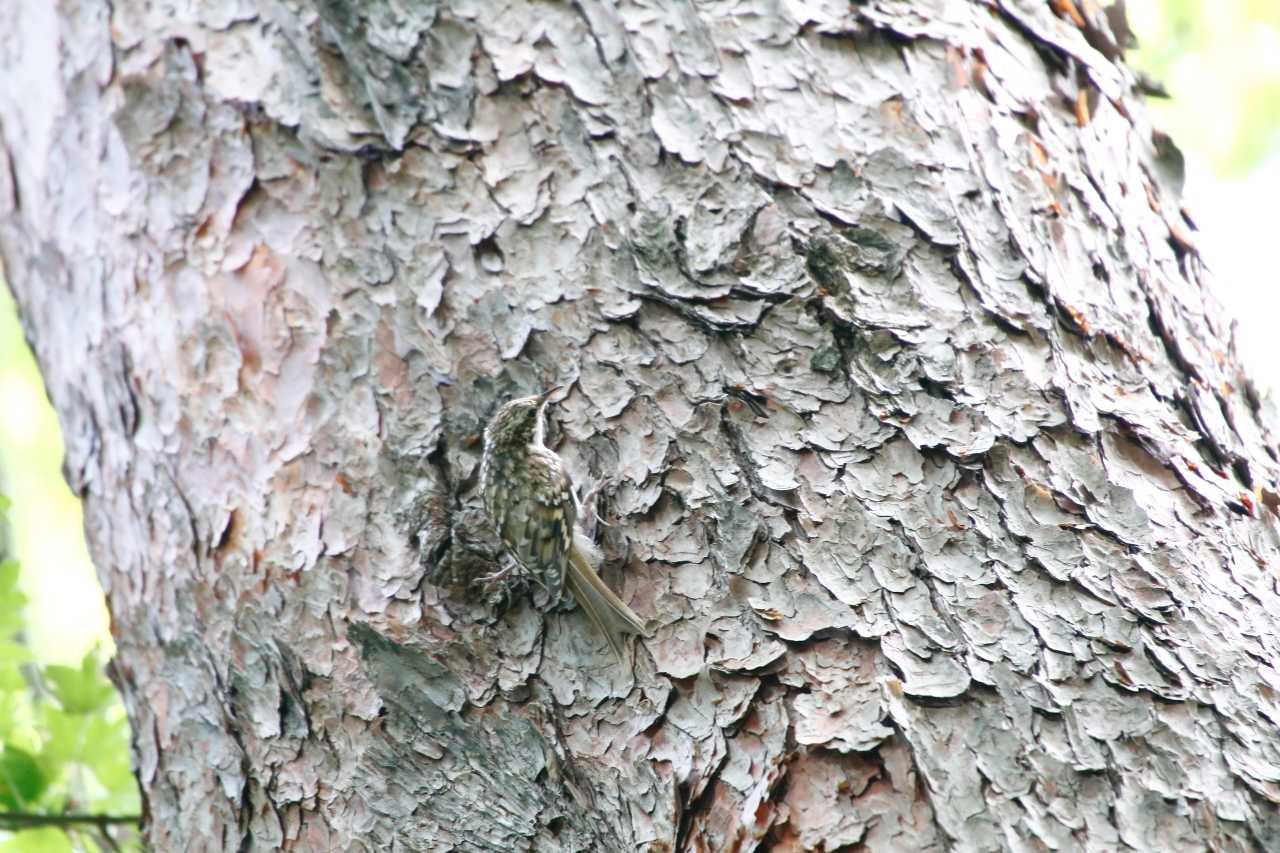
539	530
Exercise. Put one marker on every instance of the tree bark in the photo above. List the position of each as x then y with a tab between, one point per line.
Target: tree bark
918	439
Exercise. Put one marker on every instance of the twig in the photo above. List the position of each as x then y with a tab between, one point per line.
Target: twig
14	820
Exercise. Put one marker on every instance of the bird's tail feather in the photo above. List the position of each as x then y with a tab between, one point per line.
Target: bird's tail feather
609	613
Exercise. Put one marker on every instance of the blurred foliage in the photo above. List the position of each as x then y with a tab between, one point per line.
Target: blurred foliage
65	746
64	737
66	615
1221	65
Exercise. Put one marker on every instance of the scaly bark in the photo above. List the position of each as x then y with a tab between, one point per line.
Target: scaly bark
919	441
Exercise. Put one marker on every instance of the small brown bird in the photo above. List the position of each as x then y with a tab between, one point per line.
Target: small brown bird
530	500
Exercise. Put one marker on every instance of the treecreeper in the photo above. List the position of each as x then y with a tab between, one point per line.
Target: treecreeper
530	500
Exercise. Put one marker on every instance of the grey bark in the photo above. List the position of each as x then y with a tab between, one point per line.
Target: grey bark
919	440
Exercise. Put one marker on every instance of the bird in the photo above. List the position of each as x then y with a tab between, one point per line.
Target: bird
529	498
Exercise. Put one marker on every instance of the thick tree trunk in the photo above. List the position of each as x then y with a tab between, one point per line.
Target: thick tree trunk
918	439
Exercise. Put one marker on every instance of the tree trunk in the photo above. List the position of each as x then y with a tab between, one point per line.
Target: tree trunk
917	438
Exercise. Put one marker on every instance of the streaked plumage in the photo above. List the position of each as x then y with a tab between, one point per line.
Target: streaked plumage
529	498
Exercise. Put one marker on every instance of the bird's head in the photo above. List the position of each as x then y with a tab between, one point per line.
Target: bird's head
518	423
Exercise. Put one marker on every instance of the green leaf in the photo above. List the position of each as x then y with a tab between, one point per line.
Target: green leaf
80	691
47	839
12	656
109	761
21	779
12	600
15	712
93	740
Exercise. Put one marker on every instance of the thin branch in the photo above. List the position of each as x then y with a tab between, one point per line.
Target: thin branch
15	820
